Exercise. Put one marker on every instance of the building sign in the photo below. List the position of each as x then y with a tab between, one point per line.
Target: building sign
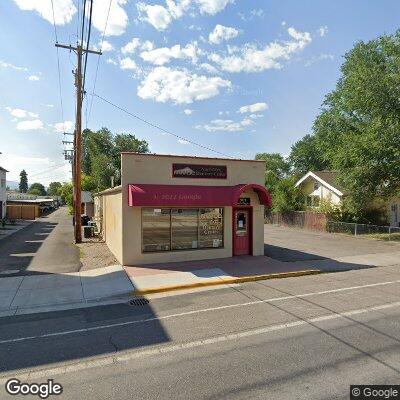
244	201
199	171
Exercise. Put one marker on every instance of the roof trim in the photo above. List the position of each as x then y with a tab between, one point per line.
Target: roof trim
311	174
194	157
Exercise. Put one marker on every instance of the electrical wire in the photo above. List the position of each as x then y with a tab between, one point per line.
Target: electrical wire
98	62
58	66
160	128
87	46
52	168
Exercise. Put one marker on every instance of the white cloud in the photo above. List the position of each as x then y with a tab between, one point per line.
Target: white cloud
156	15
33	78
163	55
111	61
323	30
131	46
106	46
128	63
19	113
213	6
12	66
187	111
319	57
30	125
182	141
222	33
179	86
226	125
253	108
61	127
209	68
283	23
250	58
255	13
160	17
117	19
64	10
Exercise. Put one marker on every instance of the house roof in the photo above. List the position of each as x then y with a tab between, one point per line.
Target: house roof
4	170
327	178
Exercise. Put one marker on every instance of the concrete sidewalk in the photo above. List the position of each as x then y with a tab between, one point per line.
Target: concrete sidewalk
50	292
158	278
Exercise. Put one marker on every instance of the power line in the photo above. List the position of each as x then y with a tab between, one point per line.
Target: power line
83	21
52	168
87	46
98	62
58	65
159	127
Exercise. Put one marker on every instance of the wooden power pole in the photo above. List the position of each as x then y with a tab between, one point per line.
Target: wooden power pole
77	164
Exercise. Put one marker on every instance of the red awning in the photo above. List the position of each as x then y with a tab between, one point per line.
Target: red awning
143	195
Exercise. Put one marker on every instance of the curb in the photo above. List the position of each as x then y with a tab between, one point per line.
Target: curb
216	282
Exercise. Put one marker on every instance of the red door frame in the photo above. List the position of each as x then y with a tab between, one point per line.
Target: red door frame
250	227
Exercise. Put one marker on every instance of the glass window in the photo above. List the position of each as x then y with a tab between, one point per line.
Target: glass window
184	229
211	227
156	228
241	222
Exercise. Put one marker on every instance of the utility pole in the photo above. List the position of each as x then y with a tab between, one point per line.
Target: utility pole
76	167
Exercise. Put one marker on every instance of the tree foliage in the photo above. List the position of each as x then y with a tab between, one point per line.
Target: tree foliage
101	154
54	189
277	168
287	197
37	189
23	182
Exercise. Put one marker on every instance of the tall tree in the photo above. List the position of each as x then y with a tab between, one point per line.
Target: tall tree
358	128
37	189
307	155
54	189
276	166
23	182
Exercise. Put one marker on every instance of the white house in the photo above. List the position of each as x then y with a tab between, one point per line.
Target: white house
317	185
3	192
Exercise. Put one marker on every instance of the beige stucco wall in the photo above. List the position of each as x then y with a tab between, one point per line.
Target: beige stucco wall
112	223
149	169
3	194
323	192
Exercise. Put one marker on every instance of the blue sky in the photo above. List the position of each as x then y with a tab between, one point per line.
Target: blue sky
240	76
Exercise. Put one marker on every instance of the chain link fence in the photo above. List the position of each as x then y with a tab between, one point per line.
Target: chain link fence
374	231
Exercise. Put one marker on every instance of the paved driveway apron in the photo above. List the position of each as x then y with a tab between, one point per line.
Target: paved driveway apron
46	246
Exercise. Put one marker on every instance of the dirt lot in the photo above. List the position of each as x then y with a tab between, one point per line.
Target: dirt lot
94	253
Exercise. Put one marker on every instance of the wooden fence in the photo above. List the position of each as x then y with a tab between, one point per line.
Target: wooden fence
299	219
15	211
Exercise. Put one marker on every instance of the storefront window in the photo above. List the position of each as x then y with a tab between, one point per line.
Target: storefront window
156	229
182	229
211	232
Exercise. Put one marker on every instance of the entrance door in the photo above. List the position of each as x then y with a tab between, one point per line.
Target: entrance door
241	232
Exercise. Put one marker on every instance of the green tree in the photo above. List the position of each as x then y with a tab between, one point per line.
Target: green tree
358	127
307	155
23	182
54	189
66	194
277	168
287	197
37	189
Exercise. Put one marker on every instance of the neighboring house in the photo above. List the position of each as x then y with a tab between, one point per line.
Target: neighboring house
3	192
317	185
87	204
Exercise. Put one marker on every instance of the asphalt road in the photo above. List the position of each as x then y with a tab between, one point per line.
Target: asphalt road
305	338
291	244
45	246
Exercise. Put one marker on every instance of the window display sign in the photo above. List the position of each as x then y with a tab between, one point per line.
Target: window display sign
199	171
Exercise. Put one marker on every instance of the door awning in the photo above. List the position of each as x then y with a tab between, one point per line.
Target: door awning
146	195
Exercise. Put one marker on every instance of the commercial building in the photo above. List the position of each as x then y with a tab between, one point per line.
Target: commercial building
179	208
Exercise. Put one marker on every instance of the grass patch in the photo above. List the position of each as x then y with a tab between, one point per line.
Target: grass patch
395	237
